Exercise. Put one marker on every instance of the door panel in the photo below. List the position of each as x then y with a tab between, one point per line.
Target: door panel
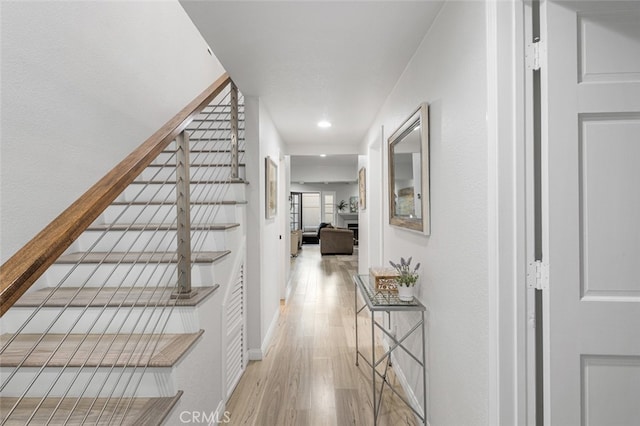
591	212
605	39
609	208
611	388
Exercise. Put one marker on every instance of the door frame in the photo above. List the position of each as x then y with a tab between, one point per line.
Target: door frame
512	385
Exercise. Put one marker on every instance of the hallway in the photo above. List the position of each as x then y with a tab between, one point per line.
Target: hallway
308	376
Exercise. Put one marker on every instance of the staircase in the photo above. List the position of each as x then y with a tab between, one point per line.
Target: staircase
109	334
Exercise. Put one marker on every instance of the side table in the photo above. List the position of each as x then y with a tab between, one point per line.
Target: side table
383	301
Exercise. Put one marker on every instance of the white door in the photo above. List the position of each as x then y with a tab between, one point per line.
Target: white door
591	212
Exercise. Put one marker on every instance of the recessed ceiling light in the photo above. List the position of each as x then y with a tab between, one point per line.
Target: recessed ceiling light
323	155
324	124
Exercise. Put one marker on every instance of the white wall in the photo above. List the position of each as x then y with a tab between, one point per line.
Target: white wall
449	72
286	286
323	172
266	241
83	84
370	220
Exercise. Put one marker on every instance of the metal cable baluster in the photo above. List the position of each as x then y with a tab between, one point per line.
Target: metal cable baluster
45	333
137	322
42	304
121	376
86	308
135	366
118	309
55	288
210	216
153	350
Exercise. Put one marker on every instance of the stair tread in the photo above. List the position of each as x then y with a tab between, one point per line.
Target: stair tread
200	182
110	297
205	151
196	165
214	120
160	226
139	257
128	411
172	203
198	139
193	138
77	350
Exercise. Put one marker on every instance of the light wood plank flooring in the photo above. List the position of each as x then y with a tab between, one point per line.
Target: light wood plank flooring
309	375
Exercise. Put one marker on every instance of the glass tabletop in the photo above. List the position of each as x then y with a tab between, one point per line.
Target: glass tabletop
377	300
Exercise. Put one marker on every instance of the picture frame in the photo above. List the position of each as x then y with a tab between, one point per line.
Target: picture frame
271	188
353	204
362	188
409	199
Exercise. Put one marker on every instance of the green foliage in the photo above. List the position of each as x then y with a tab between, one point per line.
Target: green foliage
408	276
341	205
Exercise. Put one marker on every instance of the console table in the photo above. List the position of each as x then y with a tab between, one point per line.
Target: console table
382	301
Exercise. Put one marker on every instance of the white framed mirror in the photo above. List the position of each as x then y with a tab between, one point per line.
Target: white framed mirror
409	173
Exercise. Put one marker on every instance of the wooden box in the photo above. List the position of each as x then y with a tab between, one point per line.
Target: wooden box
384	279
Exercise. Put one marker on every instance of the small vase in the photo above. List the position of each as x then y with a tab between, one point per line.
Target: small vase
405	293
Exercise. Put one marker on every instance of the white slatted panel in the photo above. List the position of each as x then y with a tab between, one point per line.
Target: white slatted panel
235	333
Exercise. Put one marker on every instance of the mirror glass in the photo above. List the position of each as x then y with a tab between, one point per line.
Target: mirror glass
408	173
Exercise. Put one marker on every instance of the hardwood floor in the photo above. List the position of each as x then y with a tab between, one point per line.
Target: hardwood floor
309	376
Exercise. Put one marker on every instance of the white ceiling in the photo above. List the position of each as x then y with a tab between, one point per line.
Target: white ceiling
305	161
313	60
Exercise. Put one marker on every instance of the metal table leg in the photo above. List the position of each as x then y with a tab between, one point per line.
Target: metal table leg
373	368
355	310
424	373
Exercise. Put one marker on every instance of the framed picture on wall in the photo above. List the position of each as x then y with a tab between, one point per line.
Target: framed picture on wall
353	204
271	188
362	188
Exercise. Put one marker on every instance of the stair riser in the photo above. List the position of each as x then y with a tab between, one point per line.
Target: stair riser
218	115
153	382
167	213
148	241
181	319
209	139
126	274
222	107
213	128
166	158
232	241
197	173
161	192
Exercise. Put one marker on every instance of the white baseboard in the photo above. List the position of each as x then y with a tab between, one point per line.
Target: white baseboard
255	354
411	396
220	416
266	342
259	354
287	291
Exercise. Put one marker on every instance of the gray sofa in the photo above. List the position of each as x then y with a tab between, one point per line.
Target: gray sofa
336	241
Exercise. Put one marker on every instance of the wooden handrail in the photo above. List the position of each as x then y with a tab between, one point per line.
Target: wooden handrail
19	272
